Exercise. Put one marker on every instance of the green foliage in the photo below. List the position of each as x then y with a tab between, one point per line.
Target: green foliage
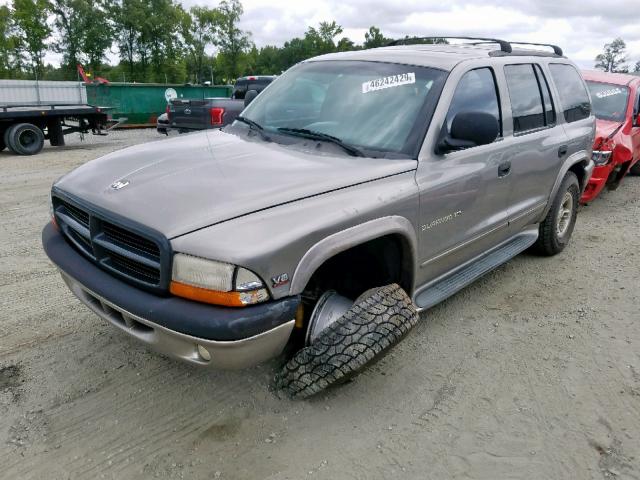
374	38
157	40
199	28
10	45
232	41
31	22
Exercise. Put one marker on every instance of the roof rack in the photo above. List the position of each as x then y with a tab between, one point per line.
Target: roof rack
556	49
505	47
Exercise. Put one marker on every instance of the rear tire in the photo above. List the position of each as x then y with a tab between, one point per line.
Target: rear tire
25	139
557	227
379	319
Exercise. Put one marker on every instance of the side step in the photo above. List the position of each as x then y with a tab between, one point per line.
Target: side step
445	287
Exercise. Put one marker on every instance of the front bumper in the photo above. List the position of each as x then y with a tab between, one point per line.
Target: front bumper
232	337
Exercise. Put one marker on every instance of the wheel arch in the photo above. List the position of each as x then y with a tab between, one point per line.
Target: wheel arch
581	165
392	227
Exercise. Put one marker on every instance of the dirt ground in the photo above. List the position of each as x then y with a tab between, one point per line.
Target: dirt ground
531	373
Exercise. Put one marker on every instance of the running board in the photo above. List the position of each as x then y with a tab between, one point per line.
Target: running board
443	289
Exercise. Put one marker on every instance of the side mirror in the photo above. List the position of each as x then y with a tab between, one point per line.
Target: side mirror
468	129
249	96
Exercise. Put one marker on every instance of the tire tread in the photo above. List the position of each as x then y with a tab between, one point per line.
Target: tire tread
365	331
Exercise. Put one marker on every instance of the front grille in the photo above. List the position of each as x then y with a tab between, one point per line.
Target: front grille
78	215
140	257
133	268
130	240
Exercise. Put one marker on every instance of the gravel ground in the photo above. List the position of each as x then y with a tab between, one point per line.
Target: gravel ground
531	373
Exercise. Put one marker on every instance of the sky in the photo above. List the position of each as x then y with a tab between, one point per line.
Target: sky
580	27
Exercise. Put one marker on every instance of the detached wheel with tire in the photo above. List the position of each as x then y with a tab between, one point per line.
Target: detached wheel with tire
25	139
378	319
557	227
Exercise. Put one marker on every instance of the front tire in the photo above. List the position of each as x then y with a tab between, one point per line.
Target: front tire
635	170
376	321
557	227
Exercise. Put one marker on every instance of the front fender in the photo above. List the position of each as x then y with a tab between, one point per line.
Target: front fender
340	241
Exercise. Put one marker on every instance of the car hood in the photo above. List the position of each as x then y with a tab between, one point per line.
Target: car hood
189	182
604	130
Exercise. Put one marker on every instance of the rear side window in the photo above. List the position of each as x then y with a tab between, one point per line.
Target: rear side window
476	92
526	98
573	94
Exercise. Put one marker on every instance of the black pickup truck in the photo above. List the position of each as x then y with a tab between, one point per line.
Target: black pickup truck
186	115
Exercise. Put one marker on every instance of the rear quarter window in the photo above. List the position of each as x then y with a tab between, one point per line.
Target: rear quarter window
573	94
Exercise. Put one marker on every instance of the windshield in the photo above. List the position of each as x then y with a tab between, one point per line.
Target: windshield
372	106
609	101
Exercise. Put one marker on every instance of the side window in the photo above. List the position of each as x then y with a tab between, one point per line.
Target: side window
573	94
526	98
549	111
476	92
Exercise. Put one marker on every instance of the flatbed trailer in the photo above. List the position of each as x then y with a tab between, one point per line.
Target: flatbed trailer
24	128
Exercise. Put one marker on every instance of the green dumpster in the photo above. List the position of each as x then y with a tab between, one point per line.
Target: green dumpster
141	103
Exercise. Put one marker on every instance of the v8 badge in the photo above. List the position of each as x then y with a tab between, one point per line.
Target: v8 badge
279	280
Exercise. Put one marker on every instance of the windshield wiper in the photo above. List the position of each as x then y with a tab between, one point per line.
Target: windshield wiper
253	126
311	134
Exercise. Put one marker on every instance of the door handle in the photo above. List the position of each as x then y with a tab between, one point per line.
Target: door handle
562	151
504	168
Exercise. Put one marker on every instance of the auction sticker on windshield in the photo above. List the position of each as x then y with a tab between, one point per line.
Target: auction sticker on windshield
610	93
388	82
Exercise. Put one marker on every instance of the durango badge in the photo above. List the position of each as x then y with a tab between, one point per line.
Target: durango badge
119	184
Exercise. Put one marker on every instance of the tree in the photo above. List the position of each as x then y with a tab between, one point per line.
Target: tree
374	38
10	44
164	45
97	33
613	58
30	17
636	67
232	41
69	21
199	28
128	16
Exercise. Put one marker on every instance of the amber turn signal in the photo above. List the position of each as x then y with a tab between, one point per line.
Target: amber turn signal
228	299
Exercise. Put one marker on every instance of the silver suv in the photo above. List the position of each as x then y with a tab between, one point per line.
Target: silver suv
358	189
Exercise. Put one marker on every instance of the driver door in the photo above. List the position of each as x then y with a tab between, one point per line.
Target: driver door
464	194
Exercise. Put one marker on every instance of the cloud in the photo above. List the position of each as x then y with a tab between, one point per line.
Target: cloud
580	27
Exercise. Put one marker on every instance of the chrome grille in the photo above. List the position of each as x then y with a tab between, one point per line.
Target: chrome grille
142	259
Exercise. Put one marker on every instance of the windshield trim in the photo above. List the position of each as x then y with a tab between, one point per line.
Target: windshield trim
612	85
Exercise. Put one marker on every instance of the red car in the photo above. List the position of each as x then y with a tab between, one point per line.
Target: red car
616	148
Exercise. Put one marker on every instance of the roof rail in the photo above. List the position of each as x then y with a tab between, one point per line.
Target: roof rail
556	49
504	45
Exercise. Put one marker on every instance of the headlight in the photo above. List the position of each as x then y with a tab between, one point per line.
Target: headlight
601	157
214	282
